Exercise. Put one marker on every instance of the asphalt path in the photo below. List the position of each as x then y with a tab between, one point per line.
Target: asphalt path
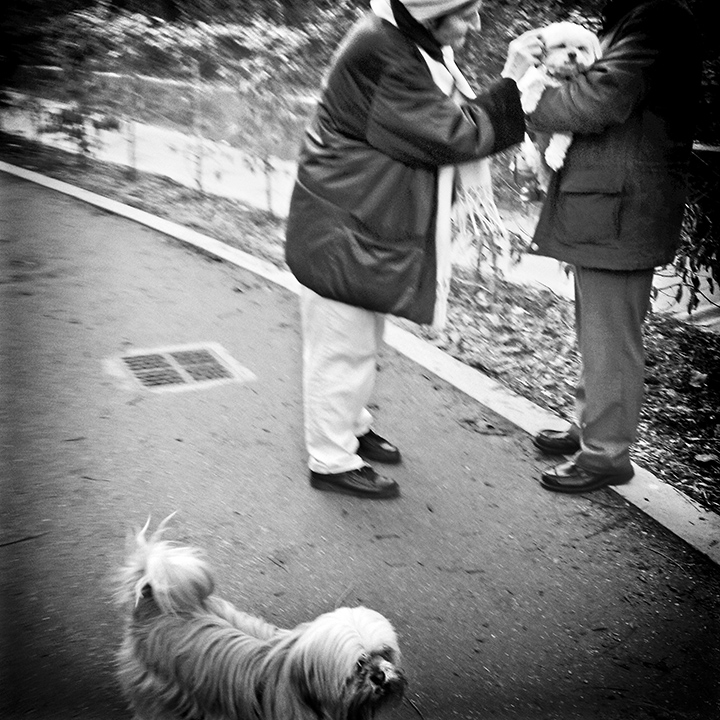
510	602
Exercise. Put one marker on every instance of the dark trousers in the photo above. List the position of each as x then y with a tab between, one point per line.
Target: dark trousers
610	307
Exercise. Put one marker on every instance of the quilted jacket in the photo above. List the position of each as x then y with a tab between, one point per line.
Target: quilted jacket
617	203
361	227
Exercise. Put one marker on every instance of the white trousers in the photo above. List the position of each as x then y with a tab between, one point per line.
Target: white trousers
340	350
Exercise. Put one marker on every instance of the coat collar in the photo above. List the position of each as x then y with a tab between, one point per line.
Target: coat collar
395	12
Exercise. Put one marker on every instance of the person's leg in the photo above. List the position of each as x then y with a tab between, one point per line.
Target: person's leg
364	419
610	309
340	345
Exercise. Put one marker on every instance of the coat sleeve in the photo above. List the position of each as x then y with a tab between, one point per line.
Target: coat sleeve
610	90
380	91
413	121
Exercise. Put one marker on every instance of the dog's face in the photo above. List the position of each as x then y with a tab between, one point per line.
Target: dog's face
378	679
569	49
347	662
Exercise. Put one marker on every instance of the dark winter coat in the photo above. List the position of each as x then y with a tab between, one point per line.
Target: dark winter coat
361	227
617	203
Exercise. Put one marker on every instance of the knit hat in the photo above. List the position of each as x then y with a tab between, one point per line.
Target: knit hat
423	10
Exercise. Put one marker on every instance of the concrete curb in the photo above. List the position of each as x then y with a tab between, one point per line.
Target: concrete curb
662	502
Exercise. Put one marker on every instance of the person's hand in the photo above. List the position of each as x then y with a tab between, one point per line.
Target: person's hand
524	52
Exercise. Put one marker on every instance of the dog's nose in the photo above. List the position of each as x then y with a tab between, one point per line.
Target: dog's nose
377	677
572	55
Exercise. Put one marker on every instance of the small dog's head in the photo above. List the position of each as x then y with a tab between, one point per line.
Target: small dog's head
348	663
569	49
378	679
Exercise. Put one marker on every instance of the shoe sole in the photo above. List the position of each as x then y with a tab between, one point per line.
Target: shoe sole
329	486
588	487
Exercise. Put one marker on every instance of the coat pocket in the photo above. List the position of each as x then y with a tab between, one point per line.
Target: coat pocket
376	273
335	255
588	207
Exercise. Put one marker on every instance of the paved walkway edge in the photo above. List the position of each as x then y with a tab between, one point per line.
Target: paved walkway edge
662	502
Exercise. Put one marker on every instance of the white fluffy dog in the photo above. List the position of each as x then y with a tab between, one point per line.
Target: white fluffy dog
569	49
188	655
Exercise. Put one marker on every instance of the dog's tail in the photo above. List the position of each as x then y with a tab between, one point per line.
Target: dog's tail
177	578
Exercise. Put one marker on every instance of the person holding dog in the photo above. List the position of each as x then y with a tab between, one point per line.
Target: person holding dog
614	211
371	203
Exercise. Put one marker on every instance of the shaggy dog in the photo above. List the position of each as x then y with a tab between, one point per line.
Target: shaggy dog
569	50
190	655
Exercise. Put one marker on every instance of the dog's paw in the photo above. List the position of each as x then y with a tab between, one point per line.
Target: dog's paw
557	149
554	160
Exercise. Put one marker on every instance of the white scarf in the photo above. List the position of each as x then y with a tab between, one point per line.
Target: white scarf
474	210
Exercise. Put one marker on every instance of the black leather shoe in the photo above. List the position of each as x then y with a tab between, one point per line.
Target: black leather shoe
374	447
569	478
363	482
556	442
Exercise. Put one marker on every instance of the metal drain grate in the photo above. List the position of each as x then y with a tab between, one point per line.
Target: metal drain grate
183	367
153	370
201	365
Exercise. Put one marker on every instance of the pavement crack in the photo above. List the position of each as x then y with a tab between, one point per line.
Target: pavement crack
24	538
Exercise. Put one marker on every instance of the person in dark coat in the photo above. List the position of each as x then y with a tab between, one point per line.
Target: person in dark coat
372	197
614	211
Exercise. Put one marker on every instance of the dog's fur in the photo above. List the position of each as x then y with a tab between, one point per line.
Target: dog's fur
569	50
187	654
